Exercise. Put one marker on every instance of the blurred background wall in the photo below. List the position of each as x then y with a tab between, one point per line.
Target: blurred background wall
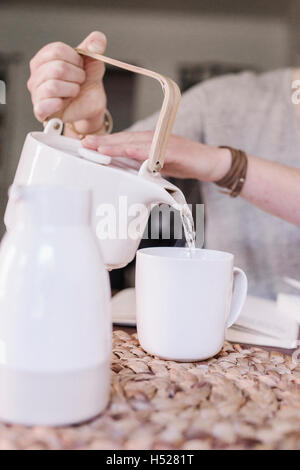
163	35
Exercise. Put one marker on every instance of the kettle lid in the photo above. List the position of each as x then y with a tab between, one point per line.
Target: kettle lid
51	137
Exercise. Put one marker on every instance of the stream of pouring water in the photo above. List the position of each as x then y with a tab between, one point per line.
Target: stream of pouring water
188	227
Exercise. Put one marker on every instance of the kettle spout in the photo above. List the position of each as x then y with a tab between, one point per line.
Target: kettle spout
172	196
165	192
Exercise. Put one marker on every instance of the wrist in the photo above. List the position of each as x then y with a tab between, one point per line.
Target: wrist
222	163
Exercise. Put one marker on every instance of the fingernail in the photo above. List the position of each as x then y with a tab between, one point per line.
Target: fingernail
90	142
96	46
91	139
103	148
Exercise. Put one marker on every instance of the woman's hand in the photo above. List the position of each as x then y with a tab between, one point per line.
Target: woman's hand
65	83
184	158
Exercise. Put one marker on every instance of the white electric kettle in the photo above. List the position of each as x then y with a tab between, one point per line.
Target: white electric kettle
117	186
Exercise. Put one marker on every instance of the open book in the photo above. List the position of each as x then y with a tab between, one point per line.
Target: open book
262	322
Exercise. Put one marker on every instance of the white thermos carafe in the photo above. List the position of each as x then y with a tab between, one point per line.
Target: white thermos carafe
55	327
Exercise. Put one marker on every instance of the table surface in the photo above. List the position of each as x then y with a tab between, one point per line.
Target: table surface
132	330
244	398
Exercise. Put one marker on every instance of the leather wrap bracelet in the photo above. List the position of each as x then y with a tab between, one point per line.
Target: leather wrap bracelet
235	178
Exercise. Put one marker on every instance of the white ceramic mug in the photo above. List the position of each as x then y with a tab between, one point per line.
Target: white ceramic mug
185	303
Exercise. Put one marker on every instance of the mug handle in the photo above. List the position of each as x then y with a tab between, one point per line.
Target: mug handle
239	294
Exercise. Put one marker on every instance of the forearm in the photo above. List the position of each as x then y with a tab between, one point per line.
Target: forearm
273	187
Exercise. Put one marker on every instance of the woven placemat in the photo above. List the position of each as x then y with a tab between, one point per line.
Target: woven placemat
245	398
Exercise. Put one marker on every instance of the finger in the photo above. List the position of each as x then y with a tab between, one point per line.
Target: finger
55	89
96	122
128	137
95	42
46	108
137	152
56	70
92	141
55	51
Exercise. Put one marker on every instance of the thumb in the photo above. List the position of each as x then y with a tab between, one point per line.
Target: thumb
94	42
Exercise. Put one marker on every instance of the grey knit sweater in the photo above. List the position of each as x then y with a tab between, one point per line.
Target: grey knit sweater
254	113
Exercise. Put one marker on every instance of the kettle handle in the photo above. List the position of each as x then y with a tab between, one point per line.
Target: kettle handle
167	113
